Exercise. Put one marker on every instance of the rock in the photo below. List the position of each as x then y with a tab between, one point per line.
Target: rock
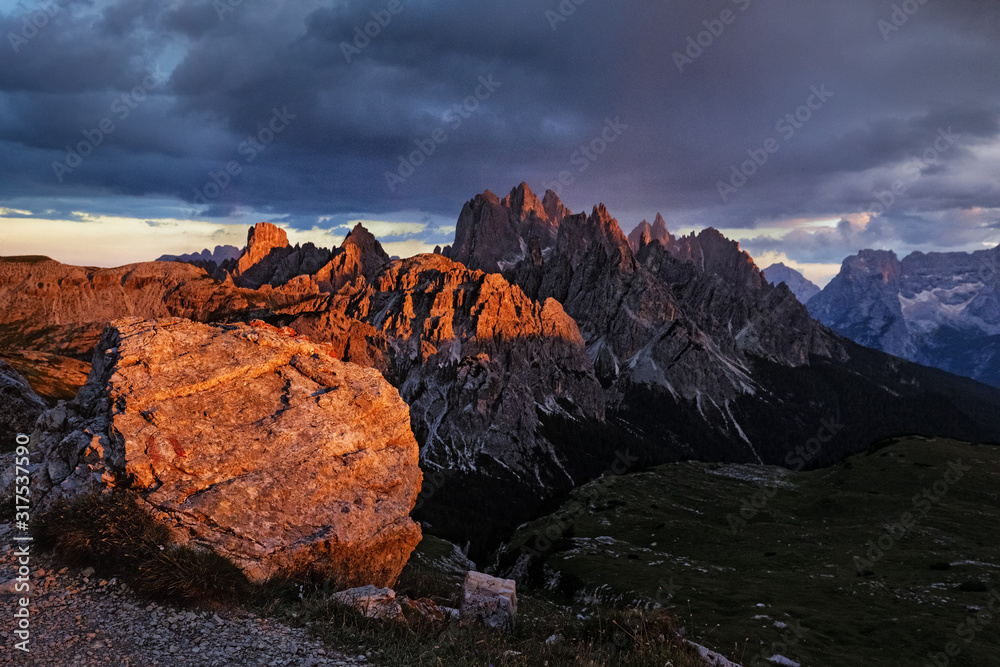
862	303
472	355
710	658
213	425
426	609
53	377
492	235
269	260
212	261
644	234
489	601
61	310
803	288
20	406
267	247
372	602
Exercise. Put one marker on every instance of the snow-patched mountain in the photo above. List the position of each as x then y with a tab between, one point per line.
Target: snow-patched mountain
803	288
938	309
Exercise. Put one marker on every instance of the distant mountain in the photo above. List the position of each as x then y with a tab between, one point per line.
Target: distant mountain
803	288
210	260
938	309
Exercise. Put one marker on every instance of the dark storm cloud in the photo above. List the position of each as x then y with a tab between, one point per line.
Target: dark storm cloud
226	71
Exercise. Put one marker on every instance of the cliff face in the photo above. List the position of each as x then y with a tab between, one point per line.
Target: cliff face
19	406
684	318
492	235
862	303
61	309
212	425
474	357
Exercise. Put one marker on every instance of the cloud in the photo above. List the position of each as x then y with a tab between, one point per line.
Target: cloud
223	79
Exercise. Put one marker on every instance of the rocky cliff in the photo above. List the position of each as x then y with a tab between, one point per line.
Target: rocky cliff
19	406
60	309
474	357
862	302
644	233
492	235
212	425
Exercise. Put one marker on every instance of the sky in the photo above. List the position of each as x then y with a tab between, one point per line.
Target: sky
806	130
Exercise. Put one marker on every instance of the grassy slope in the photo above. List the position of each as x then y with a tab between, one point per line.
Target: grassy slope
667	533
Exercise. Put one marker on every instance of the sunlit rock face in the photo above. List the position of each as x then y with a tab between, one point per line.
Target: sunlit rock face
248	439
269	259
474	357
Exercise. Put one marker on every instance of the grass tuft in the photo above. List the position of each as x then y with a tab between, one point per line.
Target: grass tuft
113	534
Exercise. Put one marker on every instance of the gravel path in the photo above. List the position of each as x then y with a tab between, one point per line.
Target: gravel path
78	619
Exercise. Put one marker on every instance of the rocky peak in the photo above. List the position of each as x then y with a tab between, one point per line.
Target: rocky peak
267	246
862	302
870	263
554	209
262	239
803	288
522	202
659	230
492	235
639	237
371	255
644	233
473	356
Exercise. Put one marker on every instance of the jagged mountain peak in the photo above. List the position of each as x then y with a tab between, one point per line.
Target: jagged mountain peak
644	233
522	201
871	261
554	208
659	228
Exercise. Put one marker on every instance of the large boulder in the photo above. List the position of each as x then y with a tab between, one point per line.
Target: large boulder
247	439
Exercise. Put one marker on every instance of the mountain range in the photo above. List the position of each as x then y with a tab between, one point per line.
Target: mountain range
937	309
540	350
